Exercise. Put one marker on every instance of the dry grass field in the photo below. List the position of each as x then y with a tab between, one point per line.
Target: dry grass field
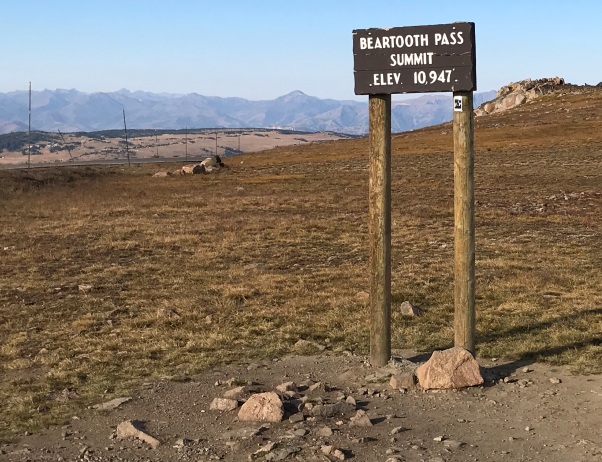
144	144
110	276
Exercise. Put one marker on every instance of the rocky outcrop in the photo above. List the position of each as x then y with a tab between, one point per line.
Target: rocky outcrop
517	93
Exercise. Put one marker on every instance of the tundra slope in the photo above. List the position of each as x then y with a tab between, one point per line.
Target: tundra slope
96	301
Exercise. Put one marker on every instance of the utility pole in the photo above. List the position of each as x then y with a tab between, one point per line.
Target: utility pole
125	128
68	148
156	145
239	143
216	143
29	132
186	144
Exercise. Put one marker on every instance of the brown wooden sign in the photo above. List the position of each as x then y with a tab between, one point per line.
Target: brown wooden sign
417	59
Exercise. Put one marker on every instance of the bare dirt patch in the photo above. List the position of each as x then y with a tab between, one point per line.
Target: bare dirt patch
525	411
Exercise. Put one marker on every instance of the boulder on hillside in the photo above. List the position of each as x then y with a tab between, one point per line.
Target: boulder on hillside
517	93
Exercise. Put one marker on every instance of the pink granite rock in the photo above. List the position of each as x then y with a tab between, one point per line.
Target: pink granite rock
448	369
262	407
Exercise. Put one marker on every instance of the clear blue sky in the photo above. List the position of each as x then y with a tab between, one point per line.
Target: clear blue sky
263	49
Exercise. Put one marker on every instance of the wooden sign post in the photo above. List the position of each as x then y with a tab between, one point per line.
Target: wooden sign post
464	245
418	59
380	229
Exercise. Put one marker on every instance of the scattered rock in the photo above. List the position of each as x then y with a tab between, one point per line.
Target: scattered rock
182	443
404	380
407	309
360	419
65	394
296	418
298	433
134	429
324	432
316	386
449	369
332	410
332	451
555	380
452	444
287	386
161	174
275	452
168	313
235	393
326	449
223	404
85	288
380	376
112	404
467	413
242	433
338	454
262	407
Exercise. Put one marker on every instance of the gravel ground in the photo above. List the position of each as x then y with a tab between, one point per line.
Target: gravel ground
524	412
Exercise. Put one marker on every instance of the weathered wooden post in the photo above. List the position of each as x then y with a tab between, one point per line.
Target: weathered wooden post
380	229
417	59
464	247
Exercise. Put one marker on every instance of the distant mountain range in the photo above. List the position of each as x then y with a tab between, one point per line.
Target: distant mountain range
74	111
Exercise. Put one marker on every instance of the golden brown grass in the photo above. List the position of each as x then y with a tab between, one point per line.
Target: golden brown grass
111	276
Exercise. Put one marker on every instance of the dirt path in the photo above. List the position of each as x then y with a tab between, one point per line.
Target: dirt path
525	412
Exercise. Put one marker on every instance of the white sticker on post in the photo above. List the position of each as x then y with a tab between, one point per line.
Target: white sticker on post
457	104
